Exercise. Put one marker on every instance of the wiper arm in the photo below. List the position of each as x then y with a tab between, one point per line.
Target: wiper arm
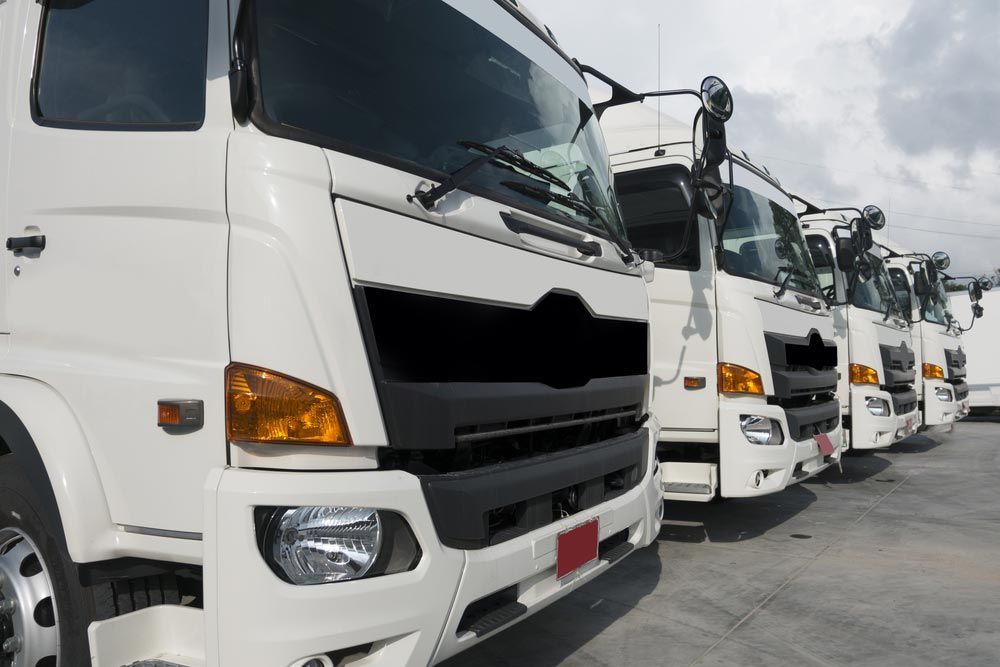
574	202
514	158
783	287
497	155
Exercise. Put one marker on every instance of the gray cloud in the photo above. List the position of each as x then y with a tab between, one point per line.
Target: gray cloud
941	77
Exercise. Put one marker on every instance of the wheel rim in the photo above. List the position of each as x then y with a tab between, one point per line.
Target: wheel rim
29	625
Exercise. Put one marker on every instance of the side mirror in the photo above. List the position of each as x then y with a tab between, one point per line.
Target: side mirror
977	311
921	283
863	235
847	254
703	205
975	292
716	99
941	260
932	272
865	269
714	146
873	217
651	255
985	284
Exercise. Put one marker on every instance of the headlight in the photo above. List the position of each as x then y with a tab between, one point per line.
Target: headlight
943	394
761	430
878	407
321	545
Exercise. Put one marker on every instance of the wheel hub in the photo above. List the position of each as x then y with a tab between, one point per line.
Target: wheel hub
29	631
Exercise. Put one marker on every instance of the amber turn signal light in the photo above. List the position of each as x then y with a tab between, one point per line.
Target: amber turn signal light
266	407
933	372
863	375
735	379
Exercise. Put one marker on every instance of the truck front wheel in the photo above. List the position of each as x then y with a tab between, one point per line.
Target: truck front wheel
44	611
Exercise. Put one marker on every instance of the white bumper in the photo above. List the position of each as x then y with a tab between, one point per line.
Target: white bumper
871	432
939	413
253	619
782	465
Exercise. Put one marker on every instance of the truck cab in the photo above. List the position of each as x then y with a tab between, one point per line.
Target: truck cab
873	332
309	316
918	279
744	356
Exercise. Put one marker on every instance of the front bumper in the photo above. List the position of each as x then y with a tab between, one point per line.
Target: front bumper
253	618
942	413
781	465
871	432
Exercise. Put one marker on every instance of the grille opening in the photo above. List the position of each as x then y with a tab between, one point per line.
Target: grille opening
511	521
793	353
558	342
486	445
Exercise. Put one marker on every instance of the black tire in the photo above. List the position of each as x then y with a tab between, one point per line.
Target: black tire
74	605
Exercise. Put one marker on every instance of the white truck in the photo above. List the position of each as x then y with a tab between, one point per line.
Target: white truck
873	332
319	341
744	357
943	392
983	376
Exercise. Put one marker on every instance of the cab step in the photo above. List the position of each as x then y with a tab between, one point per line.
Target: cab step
682	480
497	618
616	553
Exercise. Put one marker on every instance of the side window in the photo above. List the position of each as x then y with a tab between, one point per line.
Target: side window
822	257
122	64
901	286
657	217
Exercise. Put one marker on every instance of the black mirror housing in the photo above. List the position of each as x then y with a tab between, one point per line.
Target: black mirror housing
847	254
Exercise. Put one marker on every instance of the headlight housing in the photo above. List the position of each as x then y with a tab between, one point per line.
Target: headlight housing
944	394
307	546
877	407
761	430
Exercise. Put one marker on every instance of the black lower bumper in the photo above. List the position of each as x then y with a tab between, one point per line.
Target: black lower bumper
807	422
904	402
476	508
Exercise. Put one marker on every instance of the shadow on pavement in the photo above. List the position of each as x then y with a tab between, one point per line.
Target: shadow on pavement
561	630
733	520
856	469
916	444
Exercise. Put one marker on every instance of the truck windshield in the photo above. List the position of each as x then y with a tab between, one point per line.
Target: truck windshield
937	306
414	84
877	292
762	241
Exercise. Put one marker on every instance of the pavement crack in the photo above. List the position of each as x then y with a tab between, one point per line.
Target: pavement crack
795	574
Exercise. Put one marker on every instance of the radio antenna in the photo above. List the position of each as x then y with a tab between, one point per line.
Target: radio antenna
659	118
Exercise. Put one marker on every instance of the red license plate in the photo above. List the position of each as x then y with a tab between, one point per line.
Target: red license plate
825	444
576	547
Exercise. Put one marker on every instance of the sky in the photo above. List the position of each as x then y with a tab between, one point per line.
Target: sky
894	102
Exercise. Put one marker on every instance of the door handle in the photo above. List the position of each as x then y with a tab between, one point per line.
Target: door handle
18	244
586	248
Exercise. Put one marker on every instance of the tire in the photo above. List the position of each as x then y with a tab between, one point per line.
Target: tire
54	632
70	607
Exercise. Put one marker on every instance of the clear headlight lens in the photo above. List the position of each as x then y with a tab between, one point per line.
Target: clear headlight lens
322	545
761	430
944	394
878	407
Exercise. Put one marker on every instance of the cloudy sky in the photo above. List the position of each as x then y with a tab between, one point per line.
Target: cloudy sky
894	102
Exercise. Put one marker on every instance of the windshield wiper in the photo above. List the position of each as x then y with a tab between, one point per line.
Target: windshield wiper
515	158
497	155
573	202
793	271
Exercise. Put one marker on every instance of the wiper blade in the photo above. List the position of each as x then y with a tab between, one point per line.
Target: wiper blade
502	156
514	158
783	287
573	202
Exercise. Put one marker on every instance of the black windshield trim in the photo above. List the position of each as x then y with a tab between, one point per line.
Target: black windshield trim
259	118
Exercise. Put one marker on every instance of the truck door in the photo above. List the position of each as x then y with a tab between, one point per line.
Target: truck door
682	300
116	291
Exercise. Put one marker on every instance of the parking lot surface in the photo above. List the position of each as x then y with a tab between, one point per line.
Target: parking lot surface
894	561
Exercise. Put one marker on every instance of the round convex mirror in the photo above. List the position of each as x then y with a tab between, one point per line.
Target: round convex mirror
874	216
717	98
985	284
941	260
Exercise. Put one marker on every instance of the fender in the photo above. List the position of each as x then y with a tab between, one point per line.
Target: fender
50	448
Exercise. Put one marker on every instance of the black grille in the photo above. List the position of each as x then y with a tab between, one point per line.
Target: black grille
956	360
802	367
898	364
810	420
904	402
961	390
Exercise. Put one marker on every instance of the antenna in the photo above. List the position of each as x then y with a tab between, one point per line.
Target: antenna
659	118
